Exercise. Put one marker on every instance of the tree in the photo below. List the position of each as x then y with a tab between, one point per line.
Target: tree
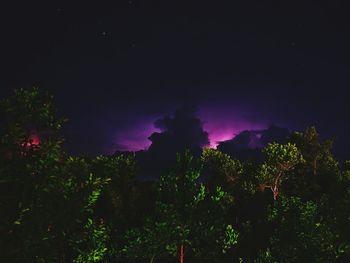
320	170
280	159
47	199
79	232
119	204
311	148
300	234
150	242
190	216
223	171
30	149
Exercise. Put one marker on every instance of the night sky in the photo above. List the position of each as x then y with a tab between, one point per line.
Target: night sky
116	68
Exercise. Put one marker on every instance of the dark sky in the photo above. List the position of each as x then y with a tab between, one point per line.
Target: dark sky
115	68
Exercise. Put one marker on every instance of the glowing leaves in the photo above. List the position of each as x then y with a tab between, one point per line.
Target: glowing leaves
283	156
280	159
223	170
230	239
95	238
200	195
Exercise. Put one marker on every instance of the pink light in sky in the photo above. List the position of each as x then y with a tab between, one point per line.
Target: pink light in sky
221	122
224	123
135	138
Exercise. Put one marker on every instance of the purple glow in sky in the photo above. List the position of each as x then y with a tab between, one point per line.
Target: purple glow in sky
222	123
135	137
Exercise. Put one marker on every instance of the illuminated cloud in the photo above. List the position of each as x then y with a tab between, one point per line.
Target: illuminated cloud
223	123
135	136
180	131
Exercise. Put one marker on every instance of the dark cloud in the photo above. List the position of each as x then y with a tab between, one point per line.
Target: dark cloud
248	144
183	130
179	132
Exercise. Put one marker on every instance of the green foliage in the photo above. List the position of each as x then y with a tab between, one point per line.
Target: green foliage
282	156
312	149
153	240
223	170
280	159
45	196
320	172
231	238
186	214
300	233
265	257
94	241
28	173
28	112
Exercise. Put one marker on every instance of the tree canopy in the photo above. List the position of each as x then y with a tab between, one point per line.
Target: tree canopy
211	207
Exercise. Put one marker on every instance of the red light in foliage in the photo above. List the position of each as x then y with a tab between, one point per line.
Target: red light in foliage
29	145
34	139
